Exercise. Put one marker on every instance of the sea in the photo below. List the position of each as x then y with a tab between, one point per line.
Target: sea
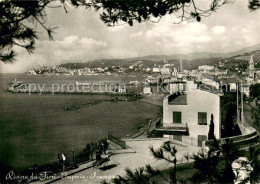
35	128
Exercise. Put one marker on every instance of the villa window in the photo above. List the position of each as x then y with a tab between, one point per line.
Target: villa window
202	118
176	117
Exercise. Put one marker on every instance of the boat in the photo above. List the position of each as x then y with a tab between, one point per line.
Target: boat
82	83
17	86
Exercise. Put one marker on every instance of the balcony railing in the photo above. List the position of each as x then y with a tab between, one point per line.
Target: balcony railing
174	127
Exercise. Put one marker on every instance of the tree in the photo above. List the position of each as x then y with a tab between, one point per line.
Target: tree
255	92
17	15
256	116
255	163
206	162
211	128
254	5
215	164
168	153
139	175
228	113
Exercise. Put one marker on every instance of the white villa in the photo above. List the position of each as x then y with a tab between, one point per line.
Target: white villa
147	90
187	114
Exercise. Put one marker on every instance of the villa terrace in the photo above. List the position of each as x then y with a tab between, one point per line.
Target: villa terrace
177	99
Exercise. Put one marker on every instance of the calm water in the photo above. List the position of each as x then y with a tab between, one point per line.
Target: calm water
48	81
35	128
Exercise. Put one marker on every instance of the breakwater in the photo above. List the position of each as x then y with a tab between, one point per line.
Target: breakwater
72	92
92	103
129	99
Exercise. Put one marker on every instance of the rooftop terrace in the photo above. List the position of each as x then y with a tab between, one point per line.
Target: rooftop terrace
177	99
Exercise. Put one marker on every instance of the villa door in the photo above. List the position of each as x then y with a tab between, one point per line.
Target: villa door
177	137
201	138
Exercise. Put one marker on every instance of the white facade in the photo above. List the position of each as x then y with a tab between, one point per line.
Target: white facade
166	71
233	86
176	87
251	67
197	101
210	82
147	90
156	70
246	90
181	74
206	67
122	90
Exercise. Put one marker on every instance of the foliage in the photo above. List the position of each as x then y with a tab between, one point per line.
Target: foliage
256	116
14	31
168	153
206	164
17	15
154	134
255	91
255	162
212	167
257	65
254	5
228	113
140	175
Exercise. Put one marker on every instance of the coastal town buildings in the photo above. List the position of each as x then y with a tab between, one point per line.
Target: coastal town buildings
166	70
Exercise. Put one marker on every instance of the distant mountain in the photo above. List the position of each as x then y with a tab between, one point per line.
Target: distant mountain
198	55
190	56
191	60
245	50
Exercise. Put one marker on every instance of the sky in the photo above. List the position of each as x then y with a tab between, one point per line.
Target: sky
83	37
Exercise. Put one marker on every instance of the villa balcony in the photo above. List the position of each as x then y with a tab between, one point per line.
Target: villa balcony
174	128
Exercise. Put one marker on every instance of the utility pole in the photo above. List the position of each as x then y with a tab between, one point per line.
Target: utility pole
73	156
237	103
242	104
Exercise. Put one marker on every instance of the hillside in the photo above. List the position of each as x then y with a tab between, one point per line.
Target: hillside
190	61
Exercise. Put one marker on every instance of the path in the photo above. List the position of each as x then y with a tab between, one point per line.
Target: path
142	157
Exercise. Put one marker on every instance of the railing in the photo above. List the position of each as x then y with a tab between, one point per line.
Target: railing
239	141
117	141
172	97
174	128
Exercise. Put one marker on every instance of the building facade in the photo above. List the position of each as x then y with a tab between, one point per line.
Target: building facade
251	68
187	115
147	90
